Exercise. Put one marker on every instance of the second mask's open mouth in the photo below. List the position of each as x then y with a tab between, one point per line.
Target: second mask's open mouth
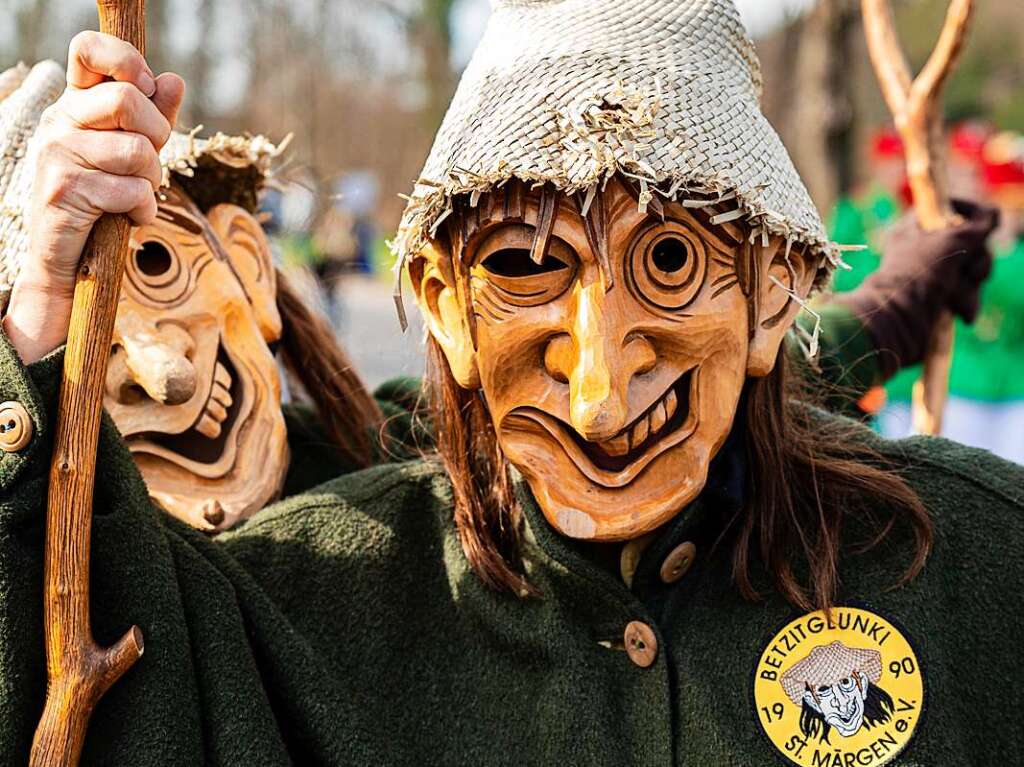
617	461
207	446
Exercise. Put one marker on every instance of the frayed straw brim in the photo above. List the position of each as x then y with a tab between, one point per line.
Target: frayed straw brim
571	92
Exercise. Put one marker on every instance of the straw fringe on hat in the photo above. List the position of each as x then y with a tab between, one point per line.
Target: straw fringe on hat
214	170
570	92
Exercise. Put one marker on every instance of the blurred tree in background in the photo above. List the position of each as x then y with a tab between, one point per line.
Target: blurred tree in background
363	83
822	96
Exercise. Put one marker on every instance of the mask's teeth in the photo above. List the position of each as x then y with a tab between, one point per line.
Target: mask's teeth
217	410
208	427
670	404
222	376
658	417
219	394
616	446
640	432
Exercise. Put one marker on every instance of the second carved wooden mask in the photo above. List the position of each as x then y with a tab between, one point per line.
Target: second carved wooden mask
193	385
611	349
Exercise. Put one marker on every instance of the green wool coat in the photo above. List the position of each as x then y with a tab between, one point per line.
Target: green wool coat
343	625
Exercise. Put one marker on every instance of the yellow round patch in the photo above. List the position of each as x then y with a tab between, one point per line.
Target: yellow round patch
840	693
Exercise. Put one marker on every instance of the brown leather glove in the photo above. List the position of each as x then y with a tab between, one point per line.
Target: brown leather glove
923	274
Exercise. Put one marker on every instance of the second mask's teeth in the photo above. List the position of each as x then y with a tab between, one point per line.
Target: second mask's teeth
658	417
208	427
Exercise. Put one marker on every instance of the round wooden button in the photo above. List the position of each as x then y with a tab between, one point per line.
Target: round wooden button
15	427
678	562
641	644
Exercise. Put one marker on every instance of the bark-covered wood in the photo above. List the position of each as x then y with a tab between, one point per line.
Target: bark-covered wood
78	671
916	105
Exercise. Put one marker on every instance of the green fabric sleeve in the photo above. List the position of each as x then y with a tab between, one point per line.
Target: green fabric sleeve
35	387
133	581
314	458
222	665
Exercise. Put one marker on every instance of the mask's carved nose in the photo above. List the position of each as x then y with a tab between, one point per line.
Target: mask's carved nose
156	359
597	367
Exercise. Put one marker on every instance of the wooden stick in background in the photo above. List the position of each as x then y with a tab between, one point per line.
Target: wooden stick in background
916	106
78	671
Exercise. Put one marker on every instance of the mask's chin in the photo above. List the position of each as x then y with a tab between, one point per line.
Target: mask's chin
620	488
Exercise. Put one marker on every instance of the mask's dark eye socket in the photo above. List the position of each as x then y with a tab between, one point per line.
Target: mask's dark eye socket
517	263
157	272
667	265
506	269
153	259
669	255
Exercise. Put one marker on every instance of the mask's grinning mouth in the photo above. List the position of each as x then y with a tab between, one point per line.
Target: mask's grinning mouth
657	422
206	440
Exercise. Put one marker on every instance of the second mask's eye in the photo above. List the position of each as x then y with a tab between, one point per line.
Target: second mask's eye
153	259
667	264
155	264
156	270
506	267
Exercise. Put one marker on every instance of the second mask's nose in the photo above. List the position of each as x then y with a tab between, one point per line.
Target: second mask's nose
157	359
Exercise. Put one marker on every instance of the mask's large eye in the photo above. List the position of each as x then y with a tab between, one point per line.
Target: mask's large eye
156	270
667	264
153	259
507	267
515	263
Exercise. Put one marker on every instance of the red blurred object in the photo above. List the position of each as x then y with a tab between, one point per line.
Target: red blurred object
998	159
968	139
886	144
1002	169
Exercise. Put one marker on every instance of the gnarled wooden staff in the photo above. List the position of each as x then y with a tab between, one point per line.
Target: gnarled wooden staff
78	671
916	106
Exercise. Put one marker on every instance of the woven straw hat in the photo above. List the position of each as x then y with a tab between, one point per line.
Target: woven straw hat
570	92
214	170
827	664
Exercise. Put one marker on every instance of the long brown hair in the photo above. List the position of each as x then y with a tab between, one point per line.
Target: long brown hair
805	477
312	355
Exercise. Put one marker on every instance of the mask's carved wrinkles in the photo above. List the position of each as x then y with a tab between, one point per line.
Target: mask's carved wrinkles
595	222
545	224
611	403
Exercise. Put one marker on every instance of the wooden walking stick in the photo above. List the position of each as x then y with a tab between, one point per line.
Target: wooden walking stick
916	106
78	671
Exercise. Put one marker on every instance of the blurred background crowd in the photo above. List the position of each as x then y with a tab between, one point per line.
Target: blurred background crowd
363	84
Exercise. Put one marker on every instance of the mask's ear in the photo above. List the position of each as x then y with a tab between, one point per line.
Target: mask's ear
782	278
246	245
444	312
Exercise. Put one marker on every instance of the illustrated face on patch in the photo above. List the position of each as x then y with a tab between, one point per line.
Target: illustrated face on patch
611	349
840	703
837	688
192	383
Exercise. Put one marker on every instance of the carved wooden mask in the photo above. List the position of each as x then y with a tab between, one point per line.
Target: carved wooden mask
192	384
612	368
